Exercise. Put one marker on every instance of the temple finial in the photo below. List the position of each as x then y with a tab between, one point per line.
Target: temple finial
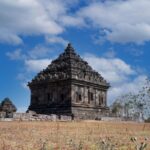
69	44
69	48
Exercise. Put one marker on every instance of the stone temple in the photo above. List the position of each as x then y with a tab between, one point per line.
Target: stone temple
69	86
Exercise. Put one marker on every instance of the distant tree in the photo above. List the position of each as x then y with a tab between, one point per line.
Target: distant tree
126	109
135	106
116	109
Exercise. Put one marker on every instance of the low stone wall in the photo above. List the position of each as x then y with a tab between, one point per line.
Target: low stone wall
32	116
6	119
2	114
39	117
111	119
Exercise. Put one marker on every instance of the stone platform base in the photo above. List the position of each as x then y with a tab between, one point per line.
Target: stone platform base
89	113
75	112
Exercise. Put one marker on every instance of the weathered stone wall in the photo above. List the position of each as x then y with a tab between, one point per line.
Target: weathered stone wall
98	96
59	98
89	113
51	98
50	94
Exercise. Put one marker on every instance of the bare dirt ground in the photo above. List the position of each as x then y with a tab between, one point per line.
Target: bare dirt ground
86	135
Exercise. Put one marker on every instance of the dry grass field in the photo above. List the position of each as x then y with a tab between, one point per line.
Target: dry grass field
86	135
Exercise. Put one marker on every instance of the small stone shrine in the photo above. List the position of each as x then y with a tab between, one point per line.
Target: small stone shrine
7	108
69	86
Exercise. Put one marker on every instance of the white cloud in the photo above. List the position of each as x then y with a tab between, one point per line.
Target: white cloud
16	55
56	39
75	21
110	53
36	17
39	51
11	38
114	70
121	21
36	65
30	17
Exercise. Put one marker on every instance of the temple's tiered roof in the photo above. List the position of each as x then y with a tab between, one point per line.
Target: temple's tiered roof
69	65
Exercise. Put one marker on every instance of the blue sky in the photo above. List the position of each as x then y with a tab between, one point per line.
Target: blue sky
113	36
